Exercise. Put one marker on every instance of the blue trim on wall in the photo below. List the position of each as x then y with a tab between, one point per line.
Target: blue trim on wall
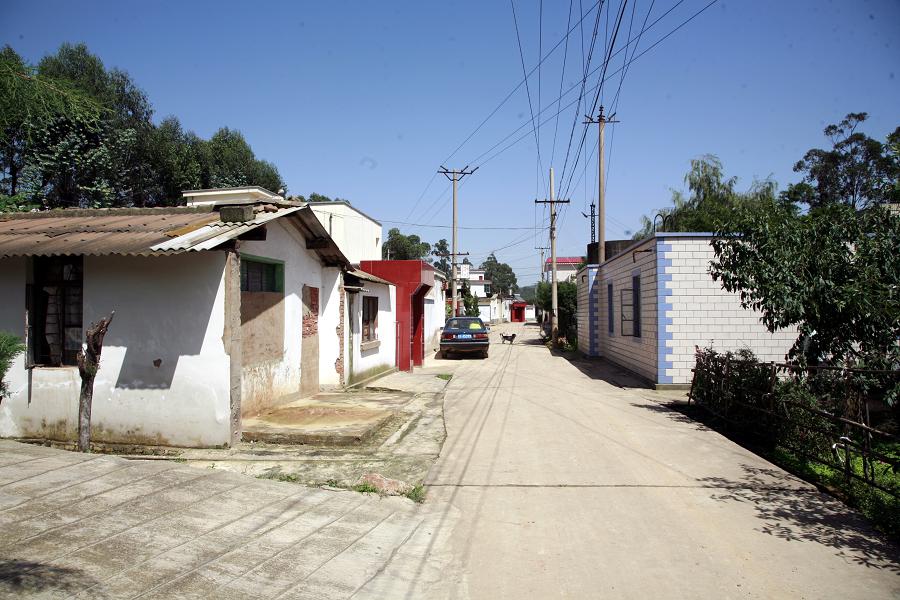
593	311
663	320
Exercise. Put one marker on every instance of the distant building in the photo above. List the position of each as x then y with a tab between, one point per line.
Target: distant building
566	267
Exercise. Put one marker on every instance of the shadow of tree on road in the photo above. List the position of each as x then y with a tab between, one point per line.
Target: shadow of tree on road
807	515
675	412
20	577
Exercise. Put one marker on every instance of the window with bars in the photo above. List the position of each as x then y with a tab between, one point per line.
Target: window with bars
631	308
259	276
370	319
55	307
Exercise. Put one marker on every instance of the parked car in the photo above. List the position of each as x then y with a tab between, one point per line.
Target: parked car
465	334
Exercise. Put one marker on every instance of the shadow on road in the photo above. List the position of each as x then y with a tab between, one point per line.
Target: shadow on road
810	516
598	368
676	411
20	577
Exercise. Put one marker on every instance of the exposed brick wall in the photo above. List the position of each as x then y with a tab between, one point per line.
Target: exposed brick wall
339	361
310	311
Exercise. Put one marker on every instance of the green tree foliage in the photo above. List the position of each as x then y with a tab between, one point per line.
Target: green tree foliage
441	252
833	272
567	299
10	347
711	198
404	247
502	278
528	293
74	133
470	301
858	170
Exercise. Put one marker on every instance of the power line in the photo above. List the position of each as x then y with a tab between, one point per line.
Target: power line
460	227
566	107
537	141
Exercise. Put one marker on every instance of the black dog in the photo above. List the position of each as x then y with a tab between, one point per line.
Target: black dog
507	337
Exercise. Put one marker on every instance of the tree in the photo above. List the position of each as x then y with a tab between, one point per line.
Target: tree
711	198
528	293
470	301
832	273
74	133
567	302
502	278
858	171
404	247
442	252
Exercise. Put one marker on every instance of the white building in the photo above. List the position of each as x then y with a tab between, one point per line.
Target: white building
648	308
478	285
566	267
358	235
223	308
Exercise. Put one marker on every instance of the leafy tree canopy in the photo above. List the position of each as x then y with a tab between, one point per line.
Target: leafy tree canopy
858	170
832	272
502	278
404	247
441	252
711	198
74	133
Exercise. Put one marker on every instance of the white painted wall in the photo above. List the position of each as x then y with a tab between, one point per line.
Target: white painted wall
358	236
329	322
529	312
638	354
383	356
435	316
703	314
168	308
275	379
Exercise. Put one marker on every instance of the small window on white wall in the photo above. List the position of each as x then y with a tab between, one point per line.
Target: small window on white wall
630	308
370	319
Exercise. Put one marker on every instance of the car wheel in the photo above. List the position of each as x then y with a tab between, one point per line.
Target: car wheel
445	354
484	354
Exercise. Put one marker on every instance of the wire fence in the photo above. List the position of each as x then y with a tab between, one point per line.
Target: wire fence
844	420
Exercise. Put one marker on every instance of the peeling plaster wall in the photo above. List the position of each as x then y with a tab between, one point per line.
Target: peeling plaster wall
329	320
266	381
382	357
164	372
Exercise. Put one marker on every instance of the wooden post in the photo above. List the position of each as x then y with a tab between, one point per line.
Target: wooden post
88	363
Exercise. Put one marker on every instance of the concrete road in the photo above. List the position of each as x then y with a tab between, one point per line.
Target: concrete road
558	485
552	483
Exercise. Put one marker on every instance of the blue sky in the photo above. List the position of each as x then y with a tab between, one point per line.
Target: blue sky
366	100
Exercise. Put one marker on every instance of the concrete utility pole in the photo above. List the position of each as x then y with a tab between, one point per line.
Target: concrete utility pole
554	302
542	269
601	121
454	176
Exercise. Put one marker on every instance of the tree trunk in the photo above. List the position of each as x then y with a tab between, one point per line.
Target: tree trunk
88	363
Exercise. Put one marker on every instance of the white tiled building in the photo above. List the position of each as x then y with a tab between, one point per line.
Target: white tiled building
656	302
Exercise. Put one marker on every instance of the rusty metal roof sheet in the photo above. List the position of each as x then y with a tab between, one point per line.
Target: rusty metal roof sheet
146	232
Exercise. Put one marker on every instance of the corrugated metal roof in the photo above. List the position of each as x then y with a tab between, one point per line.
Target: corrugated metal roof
146	232
360	274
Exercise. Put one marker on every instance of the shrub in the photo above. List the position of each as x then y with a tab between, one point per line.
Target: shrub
10	347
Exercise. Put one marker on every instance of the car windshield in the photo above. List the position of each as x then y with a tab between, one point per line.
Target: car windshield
465	324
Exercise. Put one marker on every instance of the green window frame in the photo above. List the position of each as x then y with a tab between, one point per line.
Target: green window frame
259	274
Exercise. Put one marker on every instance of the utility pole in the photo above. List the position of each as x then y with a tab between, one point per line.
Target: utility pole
592	217
542	269
554	302
454	176
601	121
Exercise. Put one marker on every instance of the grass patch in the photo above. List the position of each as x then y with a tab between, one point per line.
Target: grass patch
279	476
417	494
445	376
366	488
179	460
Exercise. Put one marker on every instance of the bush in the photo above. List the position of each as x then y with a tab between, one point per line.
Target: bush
10	347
